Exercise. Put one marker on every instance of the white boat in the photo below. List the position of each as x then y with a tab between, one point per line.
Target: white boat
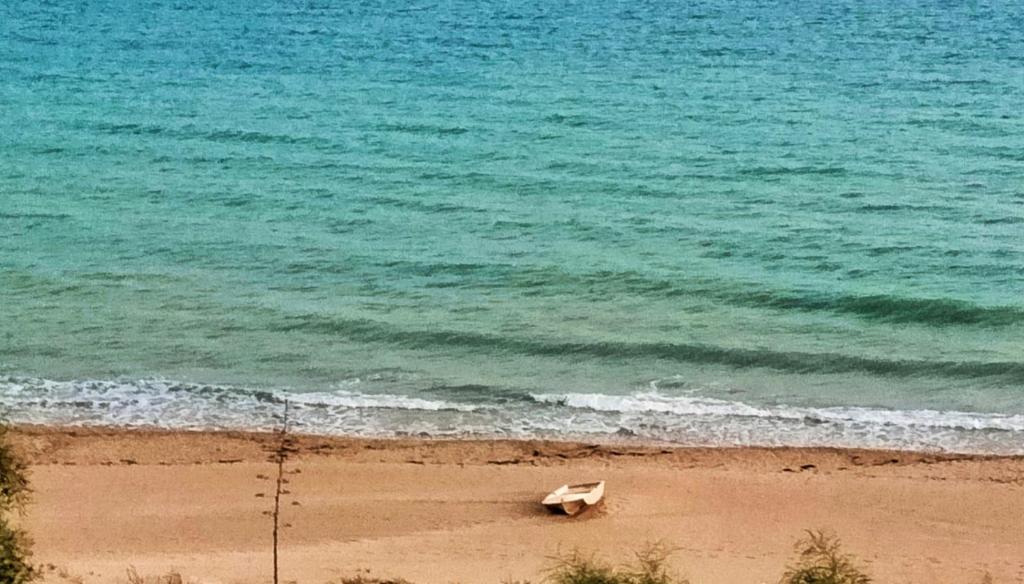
571	499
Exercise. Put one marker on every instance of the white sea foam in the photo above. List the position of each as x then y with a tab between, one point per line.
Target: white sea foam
353	400
165	403
352	407
652	402
655	402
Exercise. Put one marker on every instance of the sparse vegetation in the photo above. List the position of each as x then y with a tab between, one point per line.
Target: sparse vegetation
14	489
283	450
15	545
52	574
650	567
371	580
171	577
821	561
15	555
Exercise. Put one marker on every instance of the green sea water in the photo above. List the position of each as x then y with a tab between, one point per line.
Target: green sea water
704	223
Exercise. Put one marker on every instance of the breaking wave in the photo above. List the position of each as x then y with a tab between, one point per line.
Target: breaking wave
353	407
171	404
654	402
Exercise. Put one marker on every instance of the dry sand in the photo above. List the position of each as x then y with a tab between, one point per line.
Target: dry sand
467	511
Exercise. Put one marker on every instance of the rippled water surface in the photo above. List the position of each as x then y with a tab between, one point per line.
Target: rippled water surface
720	223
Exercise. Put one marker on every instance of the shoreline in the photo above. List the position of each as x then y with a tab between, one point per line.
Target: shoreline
530	450
609	441
435	511
645	417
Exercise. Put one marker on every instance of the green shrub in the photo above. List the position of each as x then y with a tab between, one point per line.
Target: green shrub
650	567
15	546
14	489
579	569
15	553
820	561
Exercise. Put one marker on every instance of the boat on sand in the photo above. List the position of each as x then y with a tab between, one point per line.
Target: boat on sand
572	499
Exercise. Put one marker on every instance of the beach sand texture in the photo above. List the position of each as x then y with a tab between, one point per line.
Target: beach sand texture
468	511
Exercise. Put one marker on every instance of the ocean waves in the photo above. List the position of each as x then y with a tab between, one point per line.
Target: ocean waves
171	404
553	281
353	408
547	200
889	308
655	402
193	132
368	331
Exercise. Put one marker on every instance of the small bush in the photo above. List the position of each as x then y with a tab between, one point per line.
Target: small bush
171	577
15	553
820	561
650	567
15	546
576	568
14	489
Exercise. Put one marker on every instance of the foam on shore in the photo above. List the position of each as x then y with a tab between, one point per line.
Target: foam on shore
645	416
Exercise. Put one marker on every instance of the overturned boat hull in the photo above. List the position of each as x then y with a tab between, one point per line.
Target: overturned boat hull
574	499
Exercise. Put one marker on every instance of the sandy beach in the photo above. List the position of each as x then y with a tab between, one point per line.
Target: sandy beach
435	512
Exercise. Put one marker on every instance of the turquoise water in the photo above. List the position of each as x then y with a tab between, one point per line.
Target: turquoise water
723	223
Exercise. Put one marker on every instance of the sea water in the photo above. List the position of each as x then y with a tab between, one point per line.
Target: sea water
718	223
